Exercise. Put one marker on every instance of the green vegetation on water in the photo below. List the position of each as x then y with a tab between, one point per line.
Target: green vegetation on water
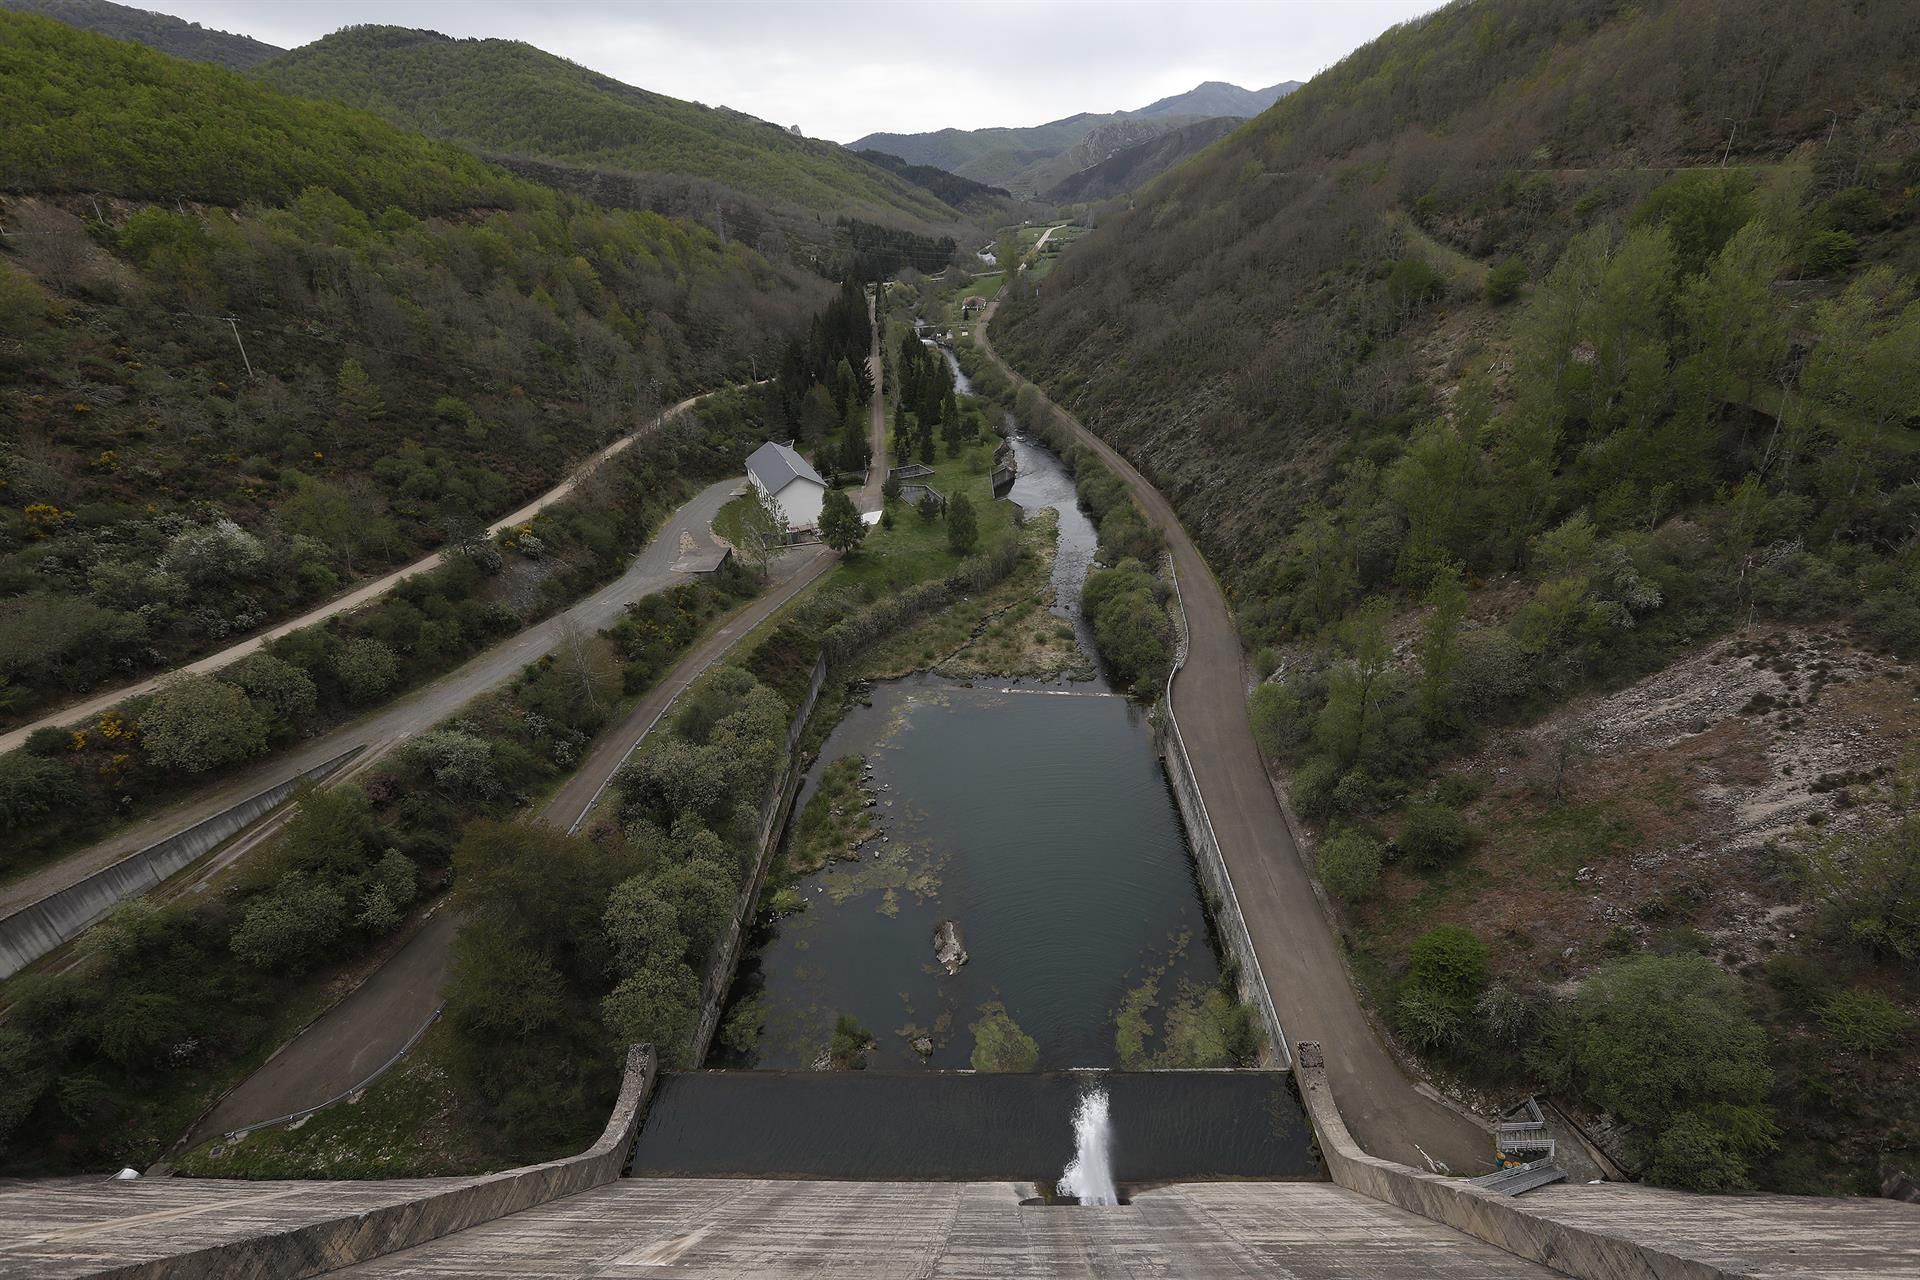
836	821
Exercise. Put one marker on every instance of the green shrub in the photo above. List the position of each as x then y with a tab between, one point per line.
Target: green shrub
33	787
1449	963
1280	724
1349	864
1433	835
1312	786
1654	1038
1130	625
1413	282
197	723
292	927
1825	252
1864	1021
851	1041
1504	281
1866	881
1710	1149
1429	1021
366	669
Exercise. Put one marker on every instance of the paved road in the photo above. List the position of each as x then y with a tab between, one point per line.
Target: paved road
380	730
373	1024
1292	937
353	599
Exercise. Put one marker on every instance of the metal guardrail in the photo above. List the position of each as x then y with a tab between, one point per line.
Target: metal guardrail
378	1071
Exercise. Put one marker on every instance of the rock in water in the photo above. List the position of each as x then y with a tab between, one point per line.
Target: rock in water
924	1046
947	947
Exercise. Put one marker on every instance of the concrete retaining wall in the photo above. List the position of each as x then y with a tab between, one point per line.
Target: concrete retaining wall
1620	1232
1228	922
773	819
352	1238
34	930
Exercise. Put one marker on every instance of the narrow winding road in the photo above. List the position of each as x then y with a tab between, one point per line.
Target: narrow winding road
373	1024
354	599
1298	954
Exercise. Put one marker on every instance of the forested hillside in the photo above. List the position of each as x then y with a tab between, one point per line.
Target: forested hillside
512	101
1543	381
331	345
159	31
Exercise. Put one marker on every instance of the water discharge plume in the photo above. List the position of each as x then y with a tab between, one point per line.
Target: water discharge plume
1089	1175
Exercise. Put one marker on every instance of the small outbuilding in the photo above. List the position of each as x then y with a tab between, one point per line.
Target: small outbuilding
789	482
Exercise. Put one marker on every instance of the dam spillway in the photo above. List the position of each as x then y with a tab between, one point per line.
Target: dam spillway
963	1126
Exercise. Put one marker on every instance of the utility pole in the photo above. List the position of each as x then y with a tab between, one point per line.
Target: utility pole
1833	122
235	325
1731	133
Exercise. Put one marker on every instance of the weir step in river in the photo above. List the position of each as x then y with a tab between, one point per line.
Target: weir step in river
963	1126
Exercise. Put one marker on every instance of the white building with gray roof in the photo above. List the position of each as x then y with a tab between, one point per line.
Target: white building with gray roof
792	484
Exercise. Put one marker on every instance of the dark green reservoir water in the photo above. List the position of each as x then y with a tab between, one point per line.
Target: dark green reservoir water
965	1127
1039	821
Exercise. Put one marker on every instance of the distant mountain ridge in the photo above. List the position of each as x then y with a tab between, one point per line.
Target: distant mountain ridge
1133	167
1218	98
160	31
1034	159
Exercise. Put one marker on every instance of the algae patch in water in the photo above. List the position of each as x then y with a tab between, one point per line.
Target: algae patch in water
999	1044
896	867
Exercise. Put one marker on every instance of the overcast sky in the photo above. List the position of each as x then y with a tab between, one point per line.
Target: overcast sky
843	68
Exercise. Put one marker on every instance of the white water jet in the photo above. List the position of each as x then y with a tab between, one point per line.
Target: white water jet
1089	1175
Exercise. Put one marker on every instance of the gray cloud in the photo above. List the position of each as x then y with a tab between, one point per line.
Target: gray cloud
843	68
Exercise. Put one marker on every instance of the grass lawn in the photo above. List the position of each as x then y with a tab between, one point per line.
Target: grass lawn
728	522
915	550
948	307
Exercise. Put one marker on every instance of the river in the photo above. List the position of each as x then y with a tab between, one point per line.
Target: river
1035	815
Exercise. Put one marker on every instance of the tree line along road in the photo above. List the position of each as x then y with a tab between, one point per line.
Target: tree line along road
354	599
1292	937
380	730
376	1021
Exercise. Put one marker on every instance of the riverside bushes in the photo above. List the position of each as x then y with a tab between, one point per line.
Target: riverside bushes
1126	603
1127	606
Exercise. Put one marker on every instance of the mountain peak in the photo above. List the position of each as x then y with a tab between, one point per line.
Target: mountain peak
1218	98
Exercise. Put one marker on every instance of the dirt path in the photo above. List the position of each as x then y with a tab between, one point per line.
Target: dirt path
365	1031
353	599
1292	937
